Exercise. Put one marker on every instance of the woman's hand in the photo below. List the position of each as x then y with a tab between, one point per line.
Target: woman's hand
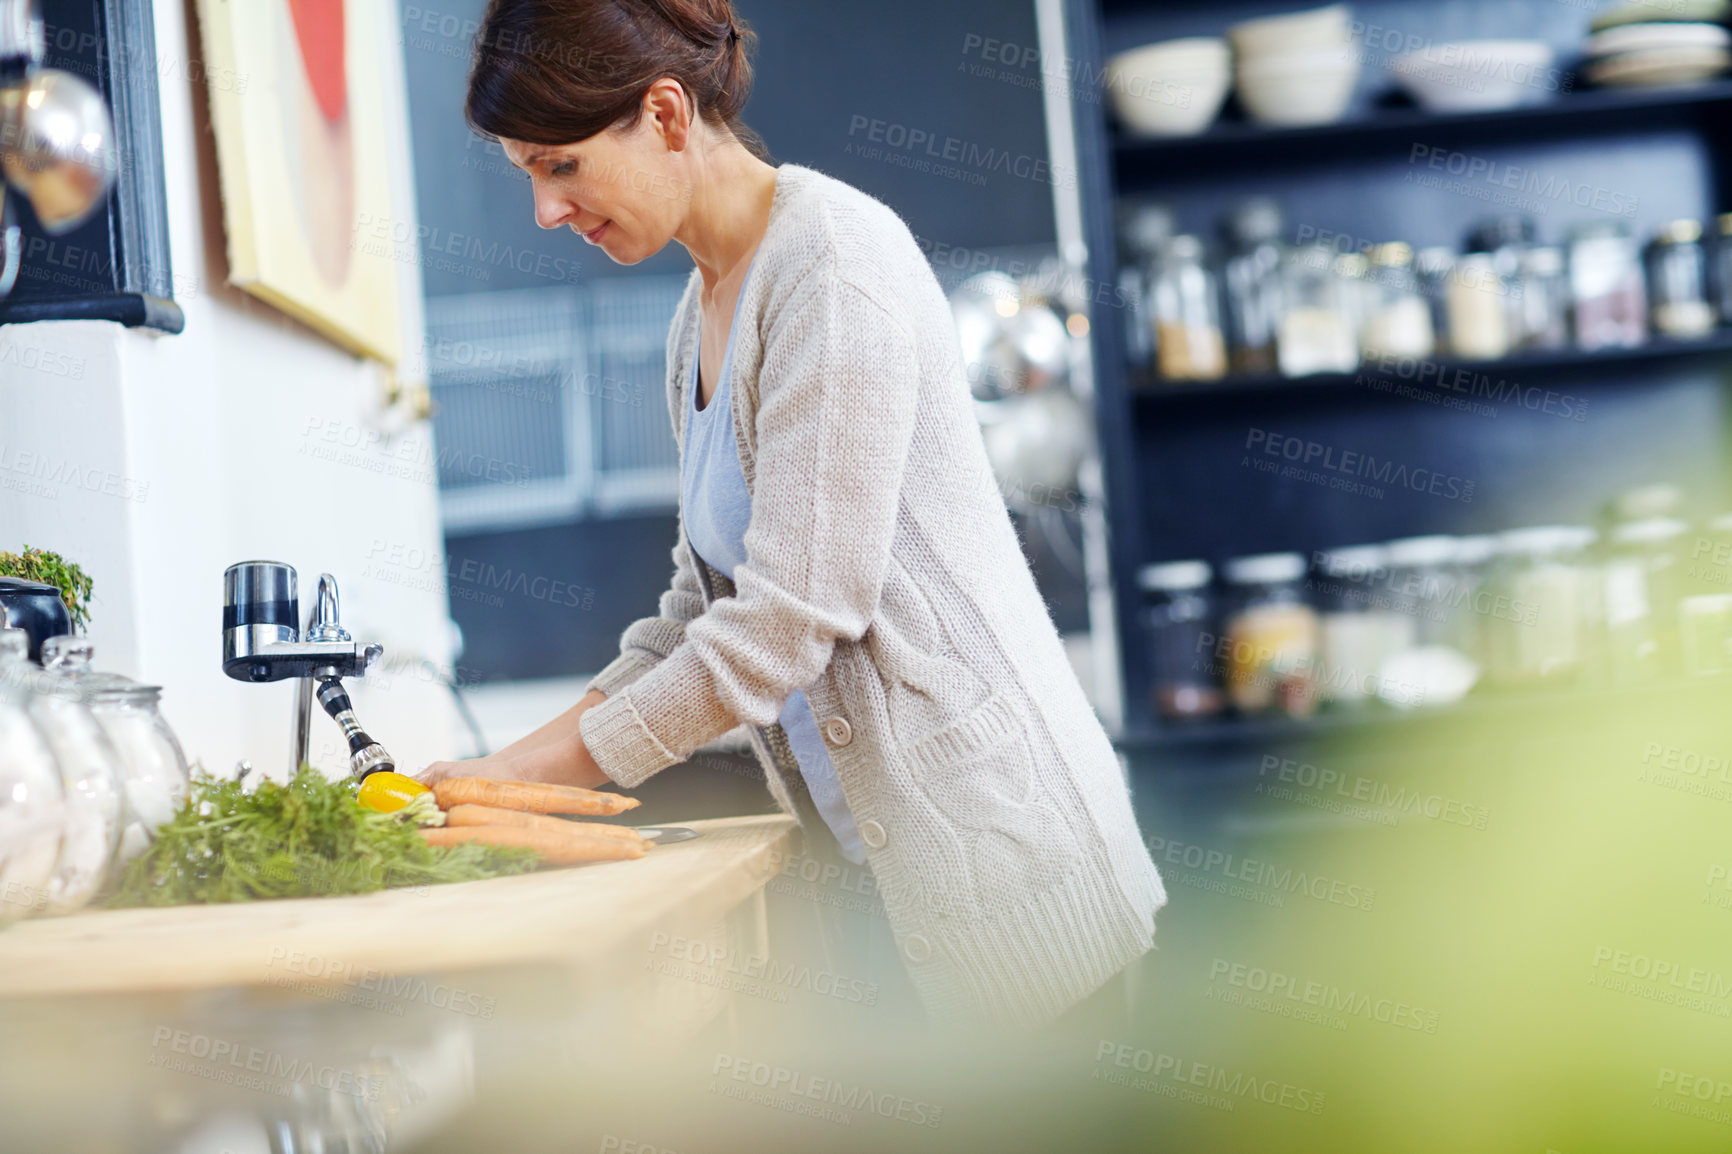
554	754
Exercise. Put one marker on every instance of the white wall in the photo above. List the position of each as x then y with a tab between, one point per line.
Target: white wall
247	436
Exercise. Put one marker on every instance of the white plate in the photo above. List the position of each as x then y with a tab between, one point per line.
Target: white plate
1661	66
1642	37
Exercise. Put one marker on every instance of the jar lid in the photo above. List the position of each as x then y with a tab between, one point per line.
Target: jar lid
1475	550
1437	259
1173	576
1352	559
1184	246
1253	222
1545	540
1265	569
1545	260
1491	235
1418	552
1649	531
66	663
1681	232
1394	254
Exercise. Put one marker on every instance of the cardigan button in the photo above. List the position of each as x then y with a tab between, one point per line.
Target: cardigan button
838	732
873	835
917	948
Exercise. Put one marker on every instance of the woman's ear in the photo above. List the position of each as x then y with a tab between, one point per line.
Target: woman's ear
669	112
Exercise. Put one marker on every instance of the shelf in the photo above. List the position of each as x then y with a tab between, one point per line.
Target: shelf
1148	390
1527	707
1577	112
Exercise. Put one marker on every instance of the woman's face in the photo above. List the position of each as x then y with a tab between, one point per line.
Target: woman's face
623	190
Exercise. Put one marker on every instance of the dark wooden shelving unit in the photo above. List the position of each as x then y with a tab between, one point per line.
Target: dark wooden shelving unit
1175	485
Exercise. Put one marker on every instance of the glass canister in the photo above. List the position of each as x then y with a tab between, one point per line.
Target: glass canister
1507	241
1317	332
155	773
1469	628
1544	301
1705	601
1143	227
90	778
1398	319
1478	314
1252	277
1360	629
1723	268
1178	620
1544	606
32	800
1273	636
1678	281
1424	584
1189	345
1608	293
1432	268
1641	577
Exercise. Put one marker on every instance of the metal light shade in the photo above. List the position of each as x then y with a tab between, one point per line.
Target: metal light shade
57	146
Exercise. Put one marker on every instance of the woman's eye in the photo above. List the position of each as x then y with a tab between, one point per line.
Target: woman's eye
564	168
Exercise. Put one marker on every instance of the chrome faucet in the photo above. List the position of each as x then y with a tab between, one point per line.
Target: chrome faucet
260	644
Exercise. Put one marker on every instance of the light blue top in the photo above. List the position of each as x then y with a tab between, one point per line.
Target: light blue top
716	508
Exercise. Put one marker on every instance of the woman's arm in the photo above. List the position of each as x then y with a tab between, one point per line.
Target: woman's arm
838	392
555	752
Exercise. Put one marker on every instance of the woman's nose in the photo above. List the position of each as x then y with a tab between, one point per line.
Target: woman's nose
552	210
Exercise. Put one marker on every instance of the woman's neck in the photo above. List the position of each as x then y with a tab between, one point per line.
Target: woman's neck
732	192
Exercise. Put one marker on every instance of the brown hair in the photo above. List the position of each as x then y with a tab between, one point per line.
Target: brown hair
560	71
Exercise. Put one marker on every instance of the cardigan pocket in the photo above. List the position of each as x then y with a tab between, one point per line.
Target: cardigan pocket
980	774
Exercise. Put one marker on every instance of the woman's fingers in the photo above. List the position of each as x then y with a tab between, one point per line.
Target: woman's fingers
440	770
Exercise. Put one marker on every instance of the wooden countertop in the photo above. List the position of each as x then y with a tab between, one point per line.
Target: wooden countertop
565	916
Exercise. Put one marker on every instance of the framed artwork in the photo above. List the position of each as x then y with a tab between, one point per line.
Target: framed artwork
303	154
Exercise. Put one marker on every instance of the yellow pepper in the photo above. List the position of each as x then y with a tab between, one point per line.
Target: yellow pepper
389	792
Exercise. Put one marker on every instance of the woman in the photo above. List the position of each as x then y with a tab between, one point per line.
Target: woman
847	581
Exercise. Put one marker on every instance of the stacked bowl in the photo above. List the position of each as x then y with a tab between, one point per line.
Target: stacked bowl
1174	88
1640	45
1299	68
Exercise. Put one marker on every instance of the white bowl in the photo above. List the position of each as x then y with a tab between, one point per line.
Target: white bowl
1299	89
1178	104
1641	37
1475	75
1313	29
1175	88
1192	54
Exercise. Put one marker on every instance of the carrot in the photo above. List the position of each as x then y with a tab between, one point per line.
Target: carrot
553	846
472	815
535	797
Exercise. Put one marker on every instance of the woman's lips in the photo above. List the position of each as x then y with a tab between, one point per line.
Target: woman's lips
595	236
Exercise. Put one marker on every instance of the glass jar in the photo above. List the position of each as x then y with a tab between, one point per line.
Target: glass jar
1608	293
1544	605
1178	620
1423	584
1317	332
1544	300
1359	628
1678	281
1506	240
1432	268
1187	311
1705	601
1723	268
1252	276
1273	636
1469	628
1641	578
1398	319
154	770
1478	315
32	799
1143	228
90	779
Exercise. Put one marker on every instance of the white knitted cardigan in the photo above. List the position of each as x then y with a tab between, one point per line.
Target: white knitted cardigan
883	576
